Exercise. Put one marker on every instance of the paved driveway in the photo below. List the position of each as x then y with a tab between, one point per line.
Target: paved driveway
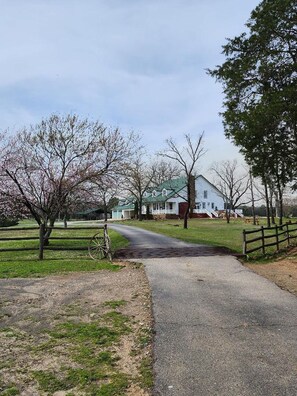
147	244
220	329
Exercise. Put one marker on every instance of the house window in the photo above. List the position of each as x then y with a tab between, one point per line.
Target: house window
203	205
212	205
164	192
154	206
162	206
154	193
170	204
205	194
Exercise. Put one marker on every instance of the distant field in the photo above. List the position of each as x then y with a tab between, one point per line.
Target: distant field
214	232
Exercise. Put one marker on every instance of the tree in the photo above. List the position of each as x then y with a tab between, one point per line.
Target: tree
165	170
104	193
44	165
138	178
233	184
290	206
260	86
10	211
186	157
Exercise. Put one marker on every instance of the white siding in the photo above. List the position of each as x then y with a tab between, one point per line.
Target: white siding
212	200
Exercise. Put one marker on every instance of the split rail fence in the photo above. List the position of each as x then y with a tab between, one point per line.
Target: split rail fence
278	236
41	247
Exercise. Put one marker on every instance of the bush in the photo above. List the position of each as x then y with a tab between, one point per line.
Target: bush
4	222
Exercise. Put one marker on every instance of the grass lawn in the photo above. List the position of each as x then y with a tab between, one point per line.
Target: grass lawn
214	232
26	263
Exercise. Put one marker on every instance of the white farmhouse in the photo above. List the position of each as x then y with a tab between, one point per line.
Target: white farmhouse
168	200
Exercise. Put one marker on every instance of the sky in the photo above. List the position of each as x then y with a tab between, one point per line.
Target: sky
136	64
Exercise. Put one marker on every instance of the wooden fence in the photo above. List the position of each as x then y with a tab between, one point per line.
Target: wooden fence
282	235
41	238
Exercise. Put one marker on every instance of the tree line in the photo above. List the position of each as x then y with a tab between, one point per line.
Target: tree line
56	166
64	164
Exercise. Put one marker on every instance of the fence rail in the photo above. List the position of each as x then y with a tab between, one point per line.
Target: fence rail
41	238
285	233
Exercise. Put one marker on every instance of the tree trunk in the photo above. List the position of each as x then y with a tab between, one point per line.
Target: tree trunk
48	232
105	213
253	199
267	203
186	215
65	220
140	210
136	209
272	213
281	208
228	215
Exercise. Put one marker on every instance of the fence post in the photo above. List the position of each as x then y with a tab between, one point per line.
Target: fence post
244	242
288	234
263	239
41	241
276	237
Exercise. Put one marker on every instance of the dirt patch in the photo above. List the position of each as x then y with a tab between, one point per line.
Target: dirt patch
76	334
283	271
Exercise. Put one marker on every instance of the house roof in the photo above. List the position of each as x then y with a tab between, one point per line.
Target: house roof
171	186
174	184
123	207
89	211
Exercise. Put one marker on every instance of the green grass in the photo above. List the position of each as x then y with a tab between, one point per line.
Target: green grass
10	390
90	346
115	303
26	264
35	268
146	373
214	232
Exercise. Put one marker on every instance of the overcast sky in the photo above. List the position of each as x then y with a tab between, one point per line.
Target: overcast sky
136	64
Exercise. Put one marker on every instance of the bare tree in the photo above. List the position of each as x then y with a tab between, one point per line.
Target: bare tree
186	157
138	178
46	163
104	192
232	183
165	170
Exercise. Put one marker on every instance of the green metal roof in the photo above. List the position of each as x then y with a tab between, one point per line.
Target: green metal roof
89	211
172	187
174	184
159	198
123	207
